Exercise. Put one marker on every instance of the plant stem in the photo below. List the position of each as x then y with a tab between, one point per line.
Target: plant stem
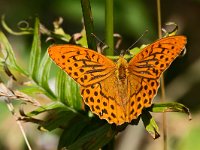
162	81
109	27
110	50
88	22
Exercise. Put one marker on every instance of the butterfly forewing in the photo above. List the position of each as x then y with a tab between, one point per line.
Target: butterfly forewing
156	58
85	66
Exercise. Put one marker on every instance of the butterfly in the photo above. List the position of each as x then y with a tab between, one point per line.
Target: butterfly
118	91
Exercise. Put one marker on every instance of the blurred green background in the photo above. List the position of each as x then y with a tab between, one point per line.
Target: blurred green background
131	19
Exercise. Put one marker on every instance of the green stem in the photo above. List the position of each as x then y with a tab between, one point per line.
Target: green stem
88	22
109	27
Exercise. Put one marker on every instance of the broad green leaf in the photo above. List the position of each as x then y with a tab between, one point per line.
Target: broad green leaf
58	115
43	73
95	139
61	83
58	119
35	89
72	132
73	95
53	106
67	90
150	124
170	107
35	52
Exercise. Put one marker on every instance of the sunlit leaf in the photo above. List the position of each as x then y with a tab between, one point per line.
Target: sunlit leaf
170	107
150	124
43	73
35	52
67	90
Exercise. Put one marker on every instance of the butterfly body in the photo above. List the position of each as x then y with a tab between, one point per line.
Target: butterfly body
118	91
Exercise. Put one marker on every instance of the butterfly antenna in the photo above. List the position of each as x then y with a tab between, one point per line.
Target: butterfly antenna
98	39
137	40
100	48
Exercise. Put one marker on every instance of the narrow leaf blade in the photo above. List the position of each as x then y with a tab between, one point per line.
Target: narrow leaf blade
43	73
170	107
35	52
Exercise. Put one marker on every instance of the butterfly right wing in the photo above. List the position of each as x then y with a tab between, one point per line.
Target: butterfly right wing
146	68
85	66
155	58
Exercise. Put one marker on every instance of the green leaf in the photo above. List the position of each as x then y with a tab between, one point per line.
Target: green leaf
43	73
94	139
35	89
59	115
52	106
150	124
35	52
68	91
170	107
72	132
135	51
61	83
11	60
58	119
73	95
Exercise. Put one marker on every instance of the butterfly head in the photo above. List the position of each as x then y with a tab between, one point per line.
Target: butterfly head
122	53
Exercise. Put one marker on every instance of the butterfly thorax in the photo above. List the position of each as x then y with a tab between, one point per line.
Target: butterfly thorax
122	82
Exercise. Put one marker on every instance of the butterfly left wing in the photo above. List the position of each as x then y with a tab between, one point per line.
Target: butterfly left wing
85	66
154	59
146	68
96	75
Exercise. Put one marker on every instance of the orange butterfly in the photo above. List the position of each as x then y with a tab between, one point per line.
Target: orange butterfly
118	91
